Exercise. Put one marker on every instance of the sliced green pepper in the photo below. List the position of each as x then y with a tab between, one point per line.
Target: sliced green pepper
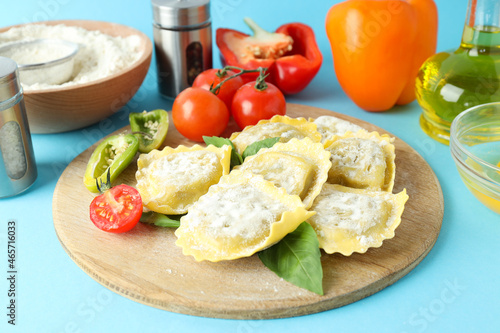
150	128
161	220
114	153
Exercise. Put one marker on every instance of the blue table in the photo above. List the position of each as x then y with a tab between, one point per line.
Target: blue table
455	288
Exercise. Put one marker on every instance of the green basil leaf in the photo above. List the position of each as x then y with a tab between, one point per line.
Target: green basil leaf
160	220
217	141
297	259
254	148
236	158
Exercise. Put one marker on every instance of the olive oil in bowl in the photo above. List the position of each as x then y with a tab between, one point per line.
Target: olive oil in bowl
475	148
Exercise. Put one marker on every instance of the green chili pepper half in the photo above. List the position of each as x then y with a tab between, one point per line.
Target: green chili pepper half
114	153
150	128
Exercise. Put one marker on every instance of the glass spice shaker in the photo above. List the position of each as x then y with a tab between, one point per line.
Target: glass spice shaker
17	164
182	32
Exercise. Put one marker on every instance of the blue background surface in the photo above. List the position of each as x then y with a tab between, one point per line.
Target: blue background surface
454	289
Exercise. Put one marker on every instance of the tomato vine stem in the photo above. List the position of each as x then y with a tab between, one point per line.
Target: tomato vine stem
223	72
260	82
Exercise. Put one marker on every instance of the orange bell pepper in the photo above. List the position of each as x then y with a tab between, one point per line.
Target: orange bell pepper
378	47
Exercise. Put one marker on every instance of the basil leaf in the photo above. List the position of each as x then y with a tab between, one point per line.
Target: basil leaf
236	158
217	141
160	220
254	148
297	259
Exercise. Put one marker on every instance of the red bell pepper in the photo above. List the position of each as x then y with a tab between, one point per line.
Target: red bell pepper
290	54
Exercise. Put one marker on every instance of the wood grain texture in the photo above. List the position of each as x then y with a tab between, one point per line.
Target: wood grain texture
146	266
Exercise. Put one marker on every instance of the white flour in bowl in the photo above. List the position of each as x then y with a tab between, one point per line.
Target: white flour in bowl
100	55
34	53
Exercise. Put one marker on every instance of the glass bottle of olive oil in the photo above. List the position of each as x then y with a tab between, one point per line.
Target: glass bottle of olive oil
451	82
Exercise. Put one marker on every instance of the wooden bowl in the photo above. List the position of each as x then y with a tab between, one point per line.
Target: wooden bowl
68	108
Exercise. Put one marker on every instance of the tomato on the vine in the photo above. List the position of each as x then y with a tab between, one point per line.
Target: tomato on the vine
210	78
116	210
197	112
256	101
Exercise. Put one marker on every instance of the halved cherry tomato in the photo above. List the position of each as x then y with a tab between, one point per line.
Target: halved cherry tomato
210	79
251	104
117	210
197	112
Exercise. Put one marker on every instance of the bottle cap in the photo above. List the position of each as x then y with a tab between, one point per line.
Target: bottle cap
9	82
181	14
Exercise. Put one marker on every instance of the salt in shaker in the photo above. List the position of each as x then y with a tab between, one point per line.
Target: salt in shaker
17	164
182	32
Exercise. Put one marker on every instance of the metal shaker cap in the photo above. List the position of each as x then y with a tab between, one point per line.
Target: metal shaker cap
181	14
9	79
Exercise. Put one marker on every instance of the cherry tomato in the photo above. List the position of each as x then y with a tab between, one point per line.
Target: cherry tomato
117	209
251	105
197	112
209	78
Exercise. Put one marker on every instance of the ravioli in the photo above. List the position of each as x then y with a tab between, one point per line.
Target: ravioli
329	127
278	126
362	160
351	220
299	166
171	180
239	216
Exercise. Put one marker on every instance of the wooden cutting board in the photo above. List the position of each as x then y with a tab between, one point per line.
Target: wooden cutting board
146	266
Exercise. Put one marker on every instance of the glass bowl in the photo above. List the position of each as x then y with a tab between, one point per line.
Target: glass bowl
47	61
475	147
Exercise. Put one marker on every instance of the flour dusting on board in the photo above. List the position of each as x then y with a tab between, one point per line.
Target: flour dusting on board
100	55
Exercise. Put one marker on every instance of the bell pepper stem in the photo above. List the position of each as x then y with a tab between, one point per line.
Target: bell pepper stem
104	186
258	32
